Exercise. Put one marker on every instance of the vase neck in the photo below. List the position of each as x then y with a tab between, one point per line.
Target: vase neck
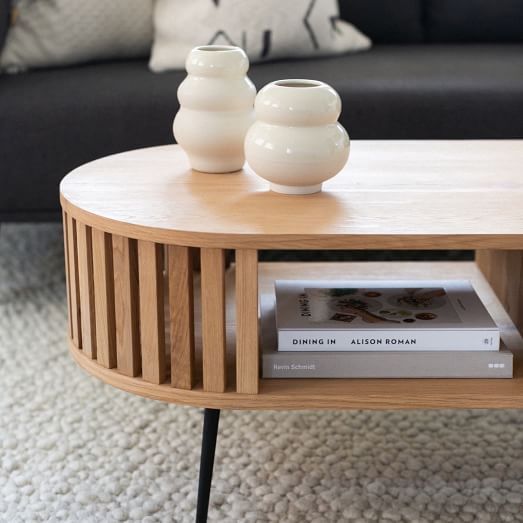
217	61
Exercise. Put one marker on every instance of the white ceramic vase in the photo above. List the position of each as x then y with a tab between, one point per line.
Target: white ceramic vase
216	108
296	142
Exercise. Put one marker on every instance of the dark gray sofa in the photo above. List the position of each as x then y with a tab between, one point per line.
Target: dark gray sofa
438	69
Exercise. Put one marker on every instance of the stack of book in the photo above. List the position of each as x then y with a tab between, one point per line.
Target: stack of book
380	329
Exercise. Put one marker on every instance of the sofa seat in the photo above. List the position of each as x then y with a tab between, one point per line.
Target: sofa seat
53	120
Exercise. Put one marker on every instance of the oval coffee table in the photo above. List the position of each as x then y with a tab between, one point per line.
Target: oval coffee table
143	319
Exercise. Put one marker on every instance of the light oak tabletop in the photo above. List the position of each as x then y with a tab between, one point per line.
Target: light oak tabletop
391	194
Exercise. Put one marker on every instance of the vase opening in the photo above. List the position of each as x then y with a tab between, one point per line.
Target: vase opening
298	83
215	48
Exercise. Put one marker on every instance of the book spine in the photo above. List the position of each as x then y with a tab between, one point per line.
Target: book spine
388	340
443	364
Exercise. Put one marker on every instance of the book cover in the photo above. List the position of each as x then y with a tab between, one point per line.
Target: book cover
382	315
375	364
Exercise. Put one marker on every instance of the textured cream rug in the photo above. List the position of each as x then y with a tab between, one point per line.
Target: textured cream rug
73	449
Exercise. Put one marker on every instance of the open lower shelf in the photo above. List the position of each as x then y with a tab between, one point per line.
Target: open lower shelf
347	393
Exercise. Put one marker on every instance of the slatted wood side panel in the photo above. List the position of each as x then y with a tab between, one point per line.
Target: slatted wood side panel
86	285
181	315
67	284
213	319
104	298
504	271
247	355
125	261
152	326
74	285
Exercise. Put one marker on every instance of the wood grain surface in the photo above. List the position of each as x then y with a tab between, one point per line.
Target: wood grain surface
391	195
104	298
181	315
151	298
125	261
86	288
247	358
504	271
213	319
74	291
67	275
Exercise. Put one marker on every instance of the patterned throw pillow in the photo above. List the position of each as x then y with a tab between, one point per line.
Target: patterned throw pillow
266	29
64	32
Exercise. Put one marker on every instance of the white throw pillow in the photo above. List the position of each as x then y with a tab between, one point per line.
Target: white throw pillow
64	32
266	29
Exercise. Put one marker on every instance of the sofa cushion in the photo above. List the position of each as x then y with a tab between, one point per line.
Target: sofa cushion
474	20
422	91
63	32
386	21
55	120
5	15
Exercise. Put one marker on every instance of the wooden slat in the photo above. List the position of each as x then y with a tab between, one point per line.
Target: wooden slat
125	263
181	313
72	250
247	356
213	319
104	296
152	326
86	287
67	284
504	271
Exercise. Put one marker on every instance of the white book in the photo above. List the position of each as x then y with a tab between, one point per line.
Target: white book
375	364
370	315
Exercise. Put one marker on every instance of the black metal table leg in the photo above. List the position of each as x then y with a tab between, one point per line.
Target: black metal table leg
211	417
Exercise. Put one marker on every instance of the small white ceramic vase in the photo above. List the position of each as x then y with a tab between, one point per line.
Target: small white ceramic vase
216	108
296	142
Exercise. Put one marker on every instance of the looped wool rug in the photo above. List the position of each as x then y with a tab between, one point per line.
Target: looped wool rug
73	449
